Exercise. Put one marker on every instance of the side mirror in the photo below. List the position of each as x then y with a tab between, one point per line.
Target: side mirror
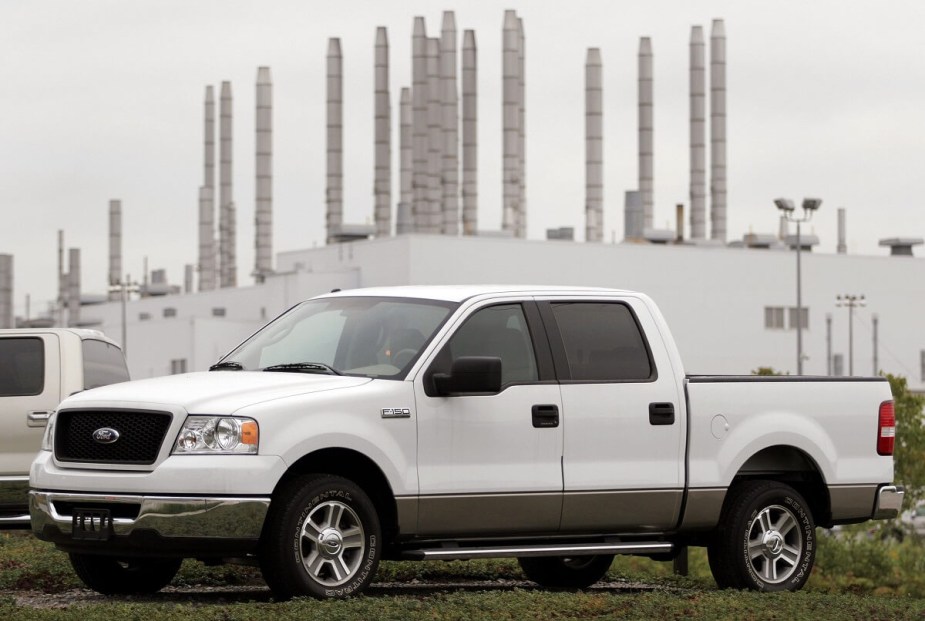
470	375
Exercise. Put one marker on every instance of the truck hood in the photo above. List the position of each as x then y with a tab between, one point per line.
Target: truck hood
216	392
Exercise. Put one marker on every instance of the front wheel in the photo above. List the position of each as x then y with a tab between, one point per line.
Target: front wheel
766	541
566	572
322	539
129	576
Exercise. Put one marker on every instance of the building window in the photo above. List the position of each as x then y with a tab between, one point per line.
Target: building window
144	316
178	366
218	311
792	315
170	312
774	317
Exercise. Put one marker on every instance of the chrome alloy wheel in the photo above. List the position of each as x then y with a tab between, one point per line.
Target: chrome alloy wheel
775	544
332	543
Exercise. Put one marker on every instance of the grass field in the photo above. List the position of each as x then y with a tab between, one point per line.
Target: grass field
854	579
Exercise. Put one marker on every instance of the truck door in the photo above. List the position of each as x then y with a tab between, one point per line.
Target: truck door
29	390
623	416
492	463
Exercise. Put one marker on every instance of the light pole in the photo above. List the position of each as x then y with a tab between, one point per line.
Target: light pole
786	207
124	287
851	301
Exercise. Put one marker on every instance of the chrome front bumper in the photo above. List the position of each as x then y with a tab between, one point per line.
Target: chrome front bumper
889	502
197	518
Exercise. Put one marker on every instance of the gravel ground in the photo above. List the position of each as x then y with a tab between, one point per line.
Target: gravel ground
208	595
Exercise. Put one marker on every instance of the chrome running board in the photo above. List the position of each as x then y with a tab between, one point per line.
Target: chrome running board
559	549
15	520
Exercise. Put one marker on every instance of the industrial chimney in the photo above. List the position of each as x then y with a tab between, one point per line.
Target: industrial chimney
335	178
511	108
73	287
404	219
115	248
382	185
207	200
646	130
842	244
228	269
263	264
6	291
419	98
434	139
698	145
718	131
469	127
594	147
450	125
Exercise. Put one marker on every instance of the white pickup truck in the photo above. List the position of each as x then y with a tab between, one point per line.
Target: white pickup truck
554	425
39	368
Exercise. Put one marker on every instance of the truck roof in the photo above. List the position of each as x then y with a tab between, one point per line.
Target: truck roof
459	293
82	333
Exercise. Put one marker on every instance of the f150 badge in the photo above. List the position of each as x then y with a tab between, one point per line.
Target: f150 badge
396	413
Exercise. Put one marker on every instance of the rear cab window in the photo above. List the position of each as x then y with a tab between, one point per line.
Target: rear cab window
22	366
603	342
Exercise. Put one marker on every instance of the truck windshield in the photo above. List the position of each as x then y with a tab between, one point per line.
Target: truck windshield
375	337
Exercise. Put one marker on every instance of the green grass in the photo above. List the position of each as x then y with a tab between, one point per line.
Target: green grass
854	579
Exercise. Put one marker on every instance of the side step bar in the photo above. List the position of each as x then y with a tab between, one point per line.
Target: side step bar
563	549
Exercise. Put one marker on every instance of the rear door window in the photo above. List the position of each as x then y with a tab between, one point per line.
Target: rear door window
22	367
104	364
603	342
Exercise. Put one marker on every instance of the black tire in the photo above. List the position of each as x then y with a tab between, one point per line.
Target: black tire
566	572
342	556
128	576
766	540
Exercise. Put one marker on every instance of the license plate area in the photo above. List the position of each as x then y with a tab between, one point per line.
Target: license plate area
91	524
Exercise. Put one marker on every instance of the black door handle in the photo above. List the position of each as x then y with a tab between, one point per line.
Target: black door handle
661	413
545	416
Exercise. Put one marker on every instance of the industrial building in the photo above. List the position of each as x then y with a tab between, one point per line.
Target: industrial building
730	304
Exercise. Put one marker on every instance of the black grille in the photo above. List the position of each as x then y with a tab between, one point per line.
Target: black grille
141	434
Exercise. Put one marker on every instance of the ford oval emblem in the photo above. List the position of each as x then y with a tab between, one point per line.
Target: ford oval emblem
105	435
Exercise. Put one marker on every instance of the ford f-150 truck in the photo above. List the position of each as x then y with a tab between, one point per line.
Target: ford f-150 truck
554	425
38	368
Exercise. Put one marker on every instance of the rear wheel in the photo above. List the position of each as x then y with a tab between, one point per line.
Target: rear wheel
114	576
766	541
321	539
566	572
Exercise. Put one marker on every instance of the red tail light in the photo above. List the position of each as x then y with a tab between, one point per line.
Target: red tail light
886	429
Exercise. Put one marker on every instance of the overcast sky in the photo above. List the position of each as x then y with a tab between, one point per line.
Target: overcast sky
103	99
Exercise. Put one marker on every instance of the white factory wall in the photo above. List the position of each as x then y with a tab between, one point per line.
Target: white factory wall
714	298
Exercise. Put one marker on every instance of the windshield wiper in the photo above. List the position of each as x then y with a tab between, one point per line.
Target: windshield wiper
304	367
227	365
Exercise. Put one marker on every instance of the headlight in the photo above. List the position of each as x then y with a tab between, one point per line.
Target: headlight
208	435
48	438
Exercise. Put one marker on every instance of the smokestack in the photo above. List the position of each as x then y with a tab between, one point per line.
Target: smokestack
62	281
594	147
469	126
226	243
263	264
434	222
450	117
783	229
842	245
646	130
335	168
382	186
679	223
521	137
698	135
419	97
510	66
206	239
207	201
6	292
633	216
188	278
718	131
115	247
404	219
73	287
